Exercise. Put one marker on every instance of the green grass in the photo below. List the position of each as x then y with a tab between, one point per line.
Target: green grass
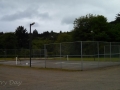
8	59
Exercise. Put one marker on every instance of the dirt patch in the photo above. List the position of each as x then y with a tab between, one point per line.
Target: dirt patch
19	78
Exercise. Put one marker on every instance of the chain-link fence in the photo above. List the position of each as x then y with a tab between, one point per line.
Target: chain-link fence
79	55
82	55
21	53
22	57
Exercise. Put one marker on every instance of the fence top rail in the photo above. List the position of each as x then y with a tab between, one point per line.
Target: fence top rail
83	42
51	43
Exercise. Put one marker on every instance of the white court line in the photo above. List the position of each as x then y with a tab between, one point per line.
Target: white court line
66	63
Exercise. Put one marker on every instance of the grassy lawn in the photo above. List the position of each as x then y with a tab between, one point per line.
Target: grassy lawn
9	59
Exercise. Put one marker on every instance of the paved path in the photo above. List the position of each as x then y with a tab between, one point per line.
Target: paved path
21	78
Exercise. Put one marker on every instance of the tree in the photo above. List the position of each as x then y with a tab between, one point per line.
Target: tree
22	37
38	43
35	33
117	19
8	41
1	33
85	24
114	29
64	37
114	32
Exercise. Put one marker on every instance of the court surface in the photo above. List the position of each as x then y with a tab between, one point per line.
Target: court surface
62	64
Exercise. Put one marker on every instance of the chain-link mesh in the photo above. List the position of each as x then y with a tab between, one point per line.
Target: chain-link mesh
21	53
78	55
84	54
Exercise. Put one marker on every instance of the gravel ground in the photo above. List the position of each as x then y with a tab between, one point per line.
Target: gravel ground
22	78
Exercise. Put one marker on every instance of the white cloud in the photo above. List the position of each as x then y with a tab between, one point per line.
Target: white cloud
53	15
28	14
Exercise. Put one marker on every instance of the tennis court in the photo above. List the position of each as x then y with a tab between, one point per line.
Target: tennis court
61	63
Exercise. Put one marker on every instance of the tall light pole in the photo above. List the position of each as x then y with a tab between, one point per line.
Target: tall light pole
30	41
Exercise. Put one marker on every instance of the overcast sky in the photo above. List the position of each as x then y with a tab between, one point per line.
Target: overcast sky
53	15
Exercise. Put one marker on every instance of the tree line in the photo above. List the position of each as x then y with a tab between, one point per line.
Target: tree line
86	28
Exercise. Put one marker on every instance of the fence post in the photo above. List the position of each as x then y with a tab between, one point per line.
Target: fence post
94	49
5	54
60	56
45	54
110	51
40	53
119	53
67	58
98	53
104	53
81	57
